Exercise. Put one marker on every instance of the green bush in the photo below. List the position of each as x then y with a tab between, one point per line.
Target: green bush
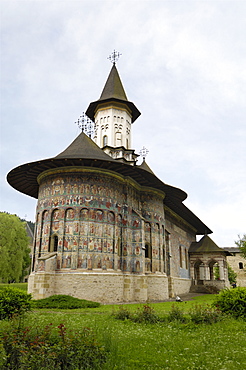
63	302
13	302
145	314
176	314
232	275
122	314
206	314
232	301
50	348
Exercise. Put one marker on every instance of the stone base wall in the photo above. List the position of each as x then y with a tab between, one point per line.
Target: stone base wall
104	288
178	286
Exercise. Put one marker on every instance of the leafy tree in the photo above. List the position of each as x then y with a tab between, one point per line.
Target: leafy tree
232	275
14	248
241	243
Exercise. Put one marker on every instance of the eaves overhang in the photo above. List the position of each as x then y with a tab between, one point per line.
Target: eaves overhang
24	179
91	110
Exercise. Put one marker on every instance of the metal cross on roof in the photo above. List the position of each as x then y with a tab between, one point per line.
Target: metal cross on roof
144	152
114	57
86	125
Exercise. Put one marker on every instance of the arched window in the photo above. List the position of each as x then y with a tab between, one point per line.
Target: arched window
105	140
240	265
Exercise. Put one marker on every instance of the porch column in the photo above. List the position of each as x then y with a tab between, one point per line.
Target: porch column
221	270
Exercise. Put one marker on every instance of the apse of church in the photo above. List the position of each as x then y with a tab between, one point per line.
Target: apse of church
98	221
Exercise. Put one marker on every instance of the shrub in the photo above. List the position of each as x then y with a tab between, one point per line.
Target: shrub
205	314
146	314
232	275
64	302
232	301
122	314
13	302
51	348
176	314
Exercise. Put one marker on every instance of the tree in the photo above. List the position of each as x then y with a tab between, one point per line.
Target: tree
232	275
14	248
241	243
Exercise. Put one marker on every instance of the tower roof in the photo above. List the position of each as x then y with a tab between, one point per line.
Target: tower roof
113	91
113	87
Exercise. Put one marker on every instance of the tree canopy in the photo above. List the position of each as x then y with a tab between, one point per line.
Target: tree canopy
241	243
14	248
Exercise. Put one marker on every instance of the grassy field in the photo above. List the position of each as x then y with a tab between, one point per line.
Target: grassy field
22	286
219	346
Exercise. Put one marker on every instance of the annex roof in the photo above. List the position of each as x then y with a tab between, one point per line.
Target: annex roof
205	245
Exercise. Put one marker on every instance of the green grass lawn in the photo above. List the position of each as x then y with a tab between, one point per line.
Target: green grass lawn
219	346
22	286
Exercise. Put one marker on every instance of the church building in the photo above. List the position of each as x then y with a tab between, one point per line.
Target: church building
108	229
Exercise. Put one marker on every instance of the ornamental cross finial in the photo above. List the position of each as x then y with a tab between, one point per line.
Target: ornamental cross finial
86	125
114	57
144	152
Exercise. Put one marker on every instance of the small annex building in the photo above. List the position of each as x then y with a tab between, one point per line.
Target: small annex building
108	229
237	262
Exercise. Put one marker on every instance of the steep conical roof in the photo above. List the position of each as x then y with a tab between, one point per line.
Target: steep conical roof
113	87
113	91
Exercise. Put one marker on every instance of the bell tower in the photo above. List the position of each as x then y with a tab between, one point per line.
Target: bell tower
113	115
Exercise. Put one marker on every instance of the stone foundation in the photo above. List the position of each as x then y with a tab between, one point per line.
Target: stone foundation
178	286
103	288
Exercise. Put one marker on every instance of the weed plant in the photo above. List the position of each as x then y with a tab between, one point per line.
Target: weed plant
146	314
51	348
176	314
205	314
122	314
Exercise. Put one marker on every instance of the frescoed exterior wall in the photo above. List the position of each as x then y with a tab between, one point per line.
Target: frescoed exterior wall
95	220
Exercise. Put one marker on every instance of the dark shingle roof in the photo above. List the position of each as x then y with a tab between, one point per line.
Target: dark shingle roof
84	147
83	152
113	87
205	245
145	167
113	91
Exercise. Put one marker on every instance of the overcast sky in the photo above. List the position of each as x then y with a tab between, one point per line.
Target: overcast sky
183	64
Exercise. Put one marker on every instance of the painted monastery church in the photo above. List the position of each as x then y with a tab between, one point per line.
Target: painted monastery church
107	229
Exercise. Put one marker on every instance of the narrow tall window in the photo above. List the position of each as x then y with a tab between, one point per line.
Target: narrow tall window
180	256
105	140
240	265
